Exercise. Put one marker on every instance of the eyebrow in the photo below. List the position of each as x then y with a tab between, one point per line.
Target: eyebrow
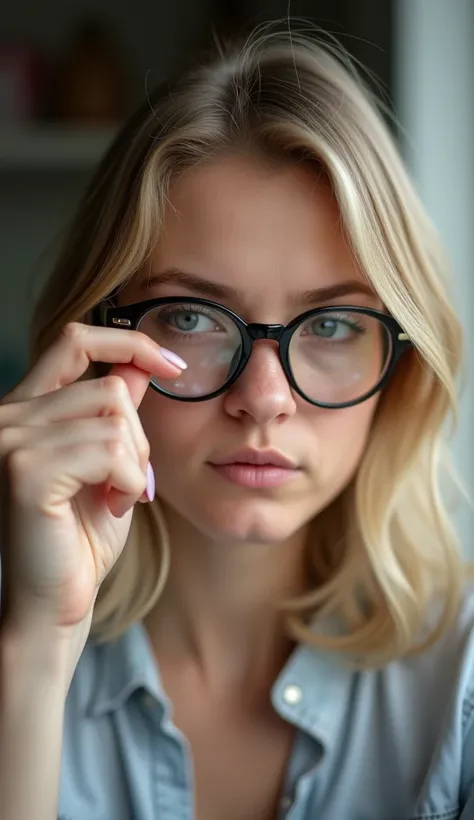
214	290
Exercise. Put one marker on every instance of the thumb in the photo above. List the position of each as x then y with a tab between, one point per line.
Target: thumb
136	380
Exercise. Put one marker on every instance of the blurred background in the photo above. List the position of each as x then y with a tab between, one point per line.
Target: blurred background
72	70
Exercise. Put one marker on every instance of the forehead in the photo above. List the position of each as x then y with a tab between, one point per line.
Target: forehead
266	230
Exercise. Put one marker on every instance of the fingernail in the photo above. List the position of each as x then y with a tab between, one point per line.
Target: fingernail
173	358
150	482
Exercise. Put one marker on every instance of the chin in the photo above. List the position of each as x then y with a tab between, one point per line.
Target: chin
257	521
238	516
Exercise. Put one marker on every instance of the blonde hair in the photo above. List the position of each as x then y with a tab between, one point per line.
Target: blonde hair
385	548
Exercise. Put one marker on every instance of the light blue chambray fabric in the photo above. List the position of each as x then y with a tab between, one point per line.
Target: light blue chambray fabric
396	744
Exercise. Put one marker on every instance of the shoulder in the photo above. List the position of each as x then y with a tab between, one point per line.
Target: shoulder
436	692
451	657
443	674
405	725
423	707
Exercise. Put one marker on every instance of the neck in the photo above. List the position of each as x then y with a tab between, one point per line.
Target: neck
219	609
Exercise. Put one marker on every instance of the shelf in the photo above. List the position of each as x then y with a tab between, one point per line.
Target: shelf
52	147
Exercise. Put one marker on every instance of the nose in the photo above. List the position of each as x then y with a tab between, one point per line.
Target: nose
262	392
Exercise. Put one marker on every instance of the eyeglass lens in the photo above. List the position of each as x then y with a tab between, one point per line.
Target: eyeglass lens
335	357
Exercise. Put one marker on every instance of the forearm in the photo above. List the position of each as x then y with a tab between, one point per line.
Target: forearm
35	673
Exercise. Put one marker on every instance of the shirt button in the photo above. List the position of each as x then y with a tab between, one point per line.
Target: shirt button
286	803
292	694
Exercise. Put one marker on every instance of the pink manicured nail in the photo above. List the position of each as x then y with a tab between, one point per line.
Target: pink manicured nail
173	358
150	482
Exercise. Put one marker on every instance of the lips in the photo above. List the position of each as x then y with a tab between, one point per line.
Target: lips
257	458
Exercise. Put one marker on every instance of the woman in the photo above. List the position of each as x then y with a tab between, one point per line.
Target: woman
258	301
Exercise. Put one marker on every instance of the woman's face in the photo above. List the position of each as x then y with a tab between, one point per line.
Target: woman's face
266	237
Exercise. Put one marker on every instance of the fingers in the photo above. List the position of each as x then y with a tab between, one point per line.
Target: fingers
79	345
68	434
46	483
107	397
95	413
35	462
58	435
137	381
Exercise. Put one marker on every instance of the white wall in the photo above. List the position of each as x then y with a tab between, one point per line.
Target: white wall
435	105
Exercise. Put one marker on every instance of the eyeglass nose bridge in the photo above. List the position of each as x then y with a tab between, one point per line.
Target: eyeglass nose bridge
258	331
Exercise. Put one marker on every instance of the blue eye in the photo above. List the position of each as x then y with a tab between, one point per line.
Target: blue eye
333	328
189	321
330	328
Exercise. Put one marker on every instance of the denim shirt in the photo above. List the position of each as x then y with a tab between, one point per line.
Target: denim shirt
390	744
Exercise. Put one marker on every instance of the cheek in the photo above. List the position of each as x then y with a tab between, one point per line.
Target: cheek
342	436
174	427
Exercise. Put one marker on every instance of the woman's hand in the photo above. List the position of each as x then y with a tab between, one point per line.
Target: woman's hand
74	461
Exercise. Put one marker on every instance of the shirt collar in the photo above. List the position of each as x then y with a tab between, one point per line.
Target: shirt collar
123	666
309	692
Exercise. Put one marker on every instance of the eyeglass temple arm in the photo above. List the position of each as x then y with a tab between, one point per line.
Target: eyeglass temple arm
99	313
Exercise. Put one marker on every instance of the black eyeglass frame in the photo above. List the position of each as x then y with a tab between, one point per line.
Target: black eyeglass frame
129	317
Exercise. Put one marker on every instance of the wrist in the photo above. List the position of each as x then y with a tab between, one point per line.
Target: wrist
41	651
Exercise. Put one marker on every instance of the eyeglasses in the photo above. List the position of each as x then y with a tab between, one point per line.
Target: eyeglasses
333	357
